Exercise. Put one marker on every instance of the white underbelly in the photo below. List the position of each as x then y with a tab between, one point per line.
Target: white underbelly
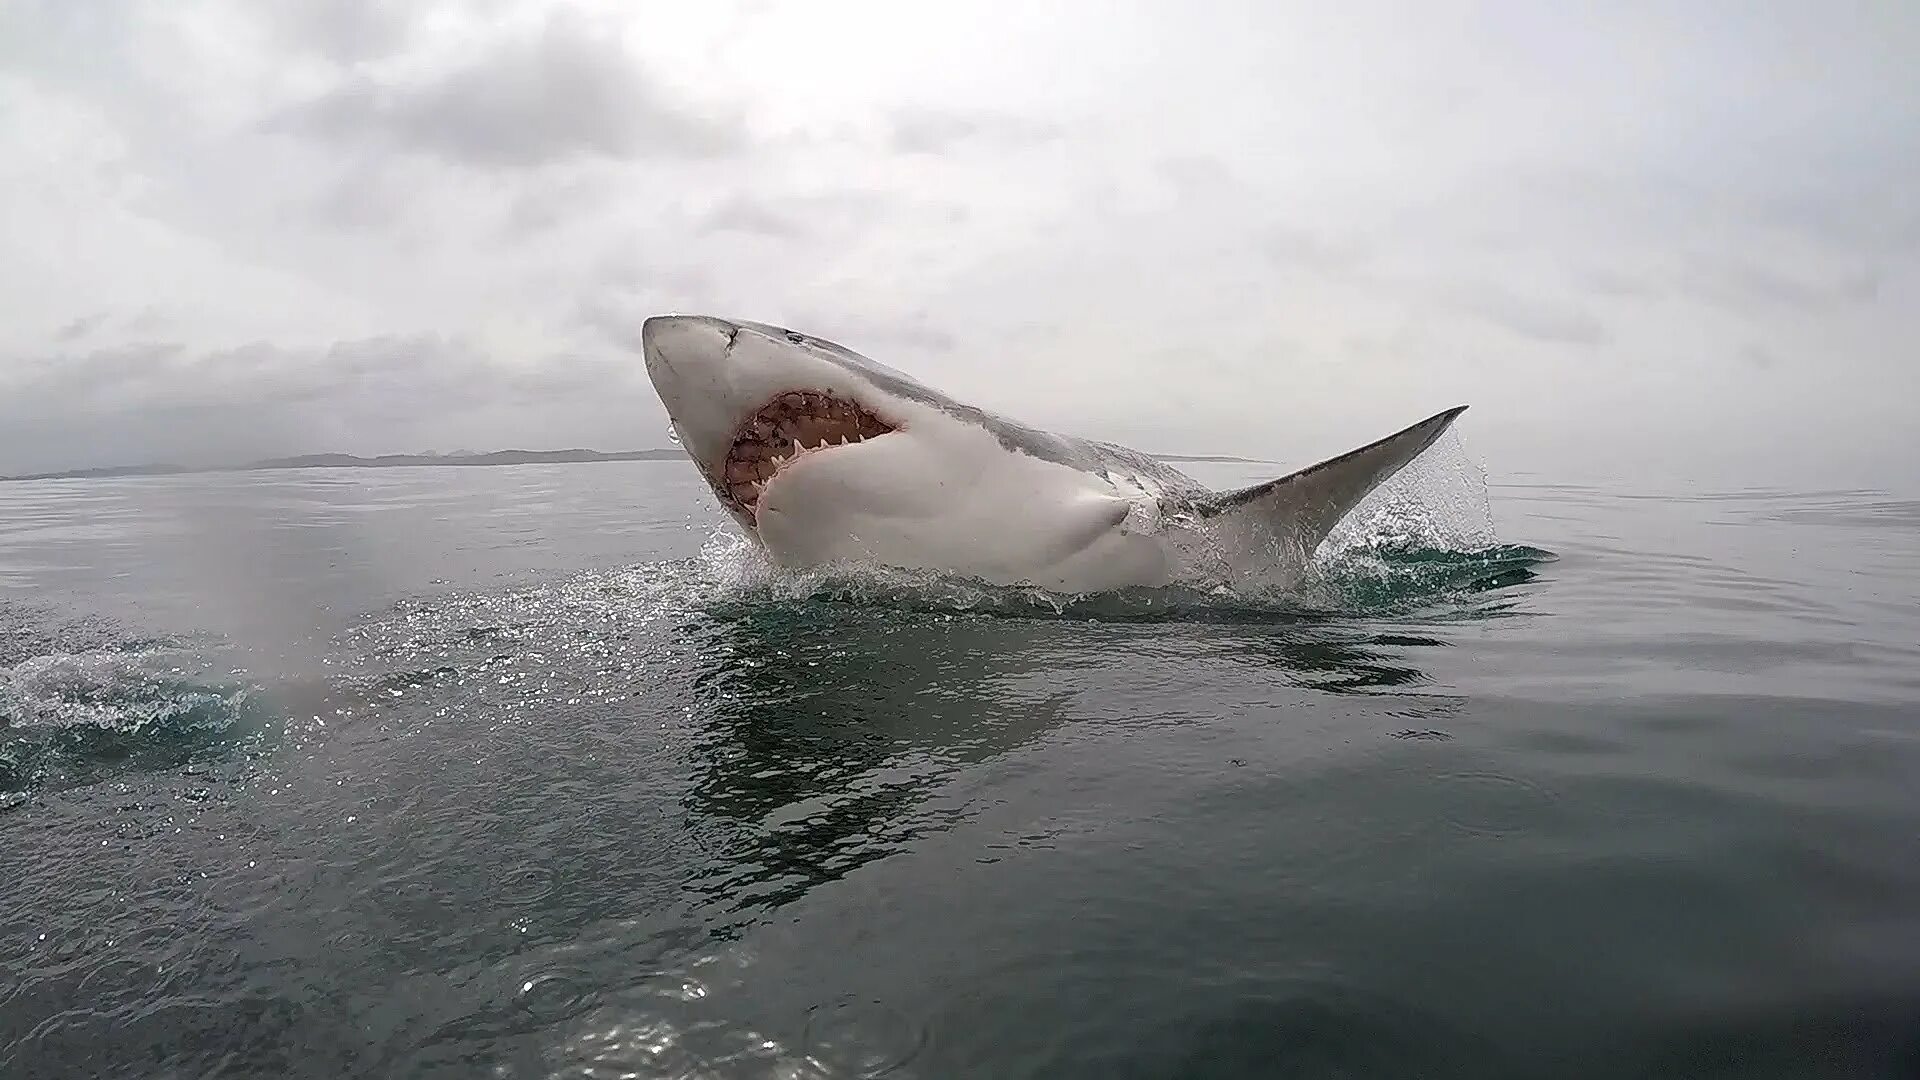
1010	520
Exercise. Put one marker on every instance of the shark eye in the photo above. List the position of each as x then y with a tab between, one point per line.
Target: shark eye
797	339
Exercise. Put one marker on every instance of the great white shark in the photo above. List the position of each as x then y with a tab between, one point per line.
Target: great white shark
826	457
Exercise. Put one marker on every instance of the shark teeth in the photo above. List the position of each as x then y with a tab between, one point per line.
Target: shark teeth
791	425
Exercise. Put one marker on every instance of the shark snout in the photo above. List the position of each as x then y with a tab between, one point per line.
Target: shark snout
689	363
680	345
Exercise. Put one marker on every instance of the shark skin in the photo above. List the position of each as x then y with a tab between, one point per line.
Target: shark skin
824	456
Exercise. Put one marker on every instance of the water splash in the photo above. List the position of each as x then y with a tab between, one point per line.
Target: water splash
1438	501
1361	583
72	717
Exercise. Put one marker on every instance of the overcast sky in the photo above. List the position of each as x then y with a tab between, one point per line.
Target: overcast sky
1634	235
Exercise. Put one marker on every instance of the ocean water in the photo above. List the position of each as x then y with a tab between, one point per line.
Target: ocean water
530	771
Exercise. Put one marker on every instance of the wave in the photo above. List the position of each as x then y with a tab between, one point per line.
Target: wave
73	717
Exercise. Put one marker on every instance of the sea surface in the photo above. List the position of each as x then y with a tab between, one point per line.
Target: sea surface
533	771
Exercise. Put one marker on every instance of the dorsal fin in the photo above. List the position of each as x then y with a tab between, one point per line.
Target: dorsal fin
1302	508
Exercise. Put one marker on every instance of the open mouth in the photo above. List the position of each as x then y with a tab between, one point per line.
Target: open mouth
795	423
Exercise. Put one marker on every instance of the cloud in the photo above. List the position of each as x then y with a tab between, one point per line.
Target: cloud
920	336
943	131
1616	284
1748	284
1285	246
1197	175
1876	214
745	214
348	30
163	401
107	324
1531	316
806	216
80	327
569	92
360	225
614	318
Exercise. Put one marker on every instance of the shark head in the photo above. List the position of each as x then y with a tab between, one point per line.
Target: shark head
818	451
750	402
823	455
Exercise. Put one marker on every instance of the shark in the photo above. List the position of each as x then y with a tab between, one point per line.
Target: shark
825	457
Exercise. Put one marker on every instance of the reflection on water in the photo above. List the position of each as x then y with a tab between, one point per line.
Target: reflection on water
827	726
824	728
1326	659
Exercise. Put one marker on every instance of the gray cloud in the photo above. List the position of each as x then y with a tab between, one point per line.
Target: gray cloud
148	320
170	374
571	91
1531	316
1616	284
943	131
80	327
365	197
1879	219
614	318
744	214
1292	247
920	336
797	217
1197	175
108	325
163	401
348	30
365	226
1747	284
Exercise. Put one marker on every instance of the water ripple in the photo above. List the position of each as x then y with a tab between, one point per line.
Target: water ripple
1494	804
855	1037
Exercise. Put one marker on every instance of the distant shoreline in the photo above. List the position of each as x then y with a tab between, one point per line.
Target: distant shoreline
398	461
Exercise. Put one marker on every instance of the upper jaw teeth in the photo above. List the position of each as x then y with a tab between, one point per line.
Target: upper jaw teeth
795	424
798	447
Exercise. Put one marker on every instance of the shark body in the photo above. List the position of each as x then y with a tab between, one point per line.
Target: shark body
825	456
